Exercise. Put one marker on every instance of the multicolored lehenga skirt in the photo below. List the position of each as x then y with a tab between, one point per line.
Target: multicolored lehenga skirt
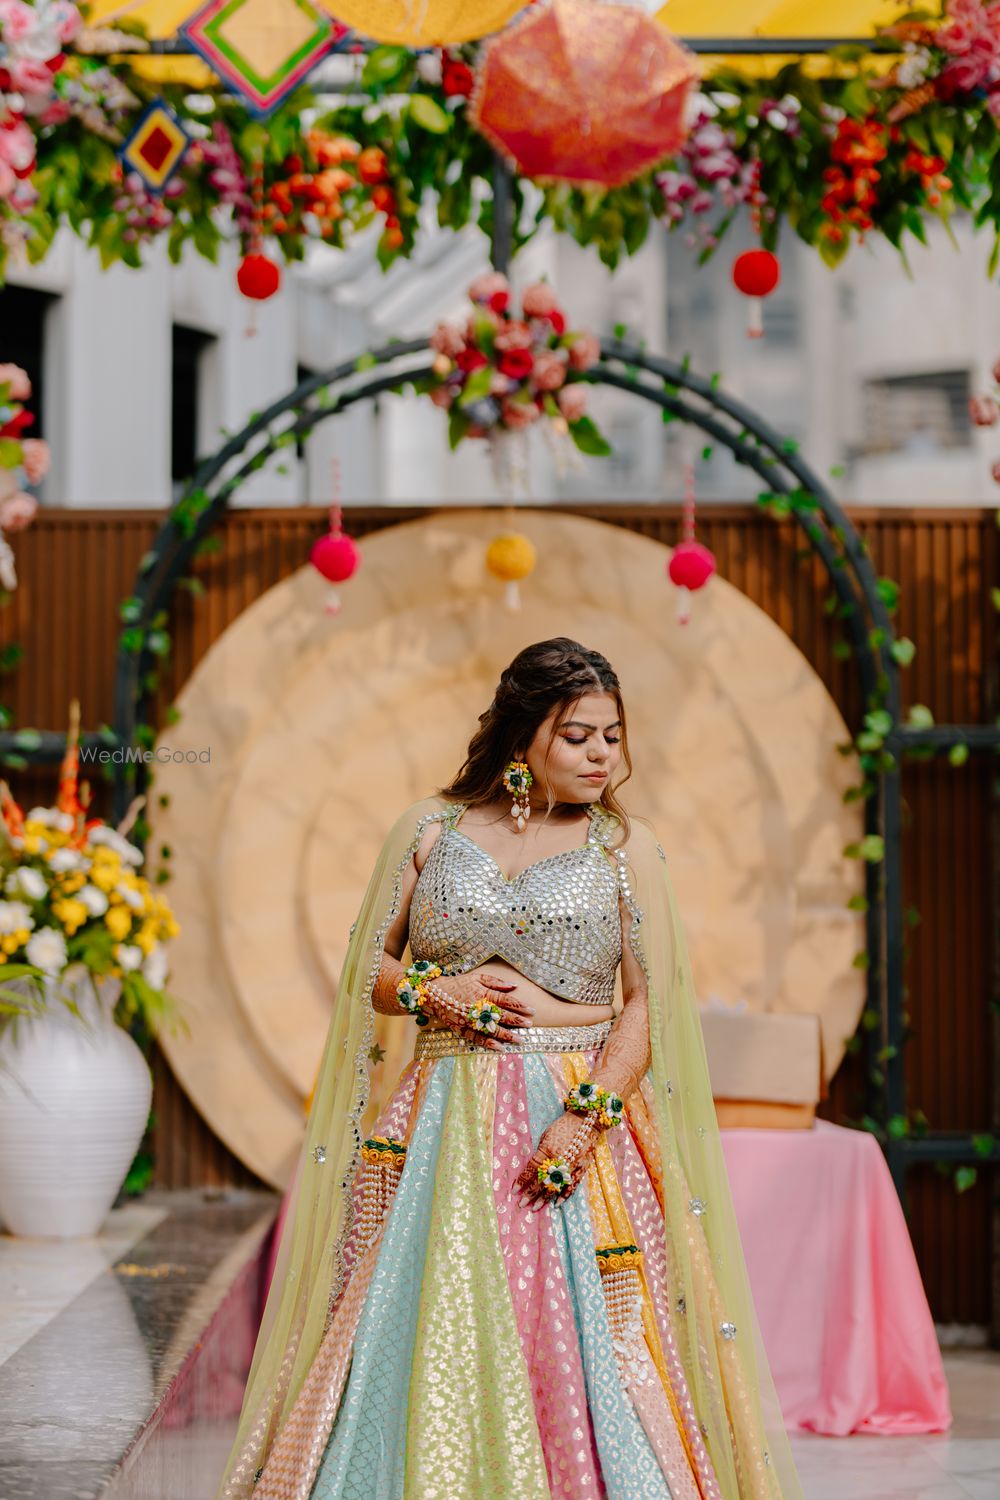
481	1350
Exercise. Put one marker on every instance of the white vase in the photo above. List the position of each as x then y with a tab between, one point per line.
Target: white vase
74	1102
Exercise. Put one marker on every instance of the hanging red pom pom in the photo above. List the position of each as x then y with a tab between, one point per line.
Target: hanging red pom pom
335	557
258	277
756	273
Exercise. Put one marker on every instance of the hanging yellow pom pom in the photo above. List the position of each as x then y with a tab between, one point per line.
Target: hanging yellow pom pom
511	557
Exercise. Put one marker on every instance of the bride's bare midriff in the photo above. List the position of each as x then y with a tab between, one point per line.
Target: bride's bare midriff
549	1009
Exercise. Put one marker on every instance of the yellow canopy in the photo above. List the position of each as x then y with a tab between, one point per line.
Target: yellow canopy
686	18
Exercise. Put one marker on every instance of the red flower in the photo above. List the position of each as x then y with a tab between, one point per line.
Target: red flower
470	359
457	78
558	321
517	364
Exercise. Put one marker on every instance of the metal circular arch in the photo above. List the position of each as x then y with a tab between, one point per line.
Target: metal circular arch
657	380
664	383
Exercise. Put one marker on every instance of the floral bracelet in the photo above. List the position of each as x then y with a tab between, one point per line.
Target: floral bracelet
410	990
600	1105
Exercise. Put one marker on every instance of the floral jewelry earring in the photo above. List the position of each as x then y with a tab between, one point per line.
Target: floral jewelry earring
517	779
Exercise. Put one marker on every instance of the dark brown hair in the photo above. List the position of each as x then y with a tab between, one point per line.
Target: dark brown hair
550	674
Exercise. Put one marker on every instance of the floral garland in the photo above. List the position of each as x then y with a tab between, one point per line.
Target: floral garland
23	461
866	149
503	372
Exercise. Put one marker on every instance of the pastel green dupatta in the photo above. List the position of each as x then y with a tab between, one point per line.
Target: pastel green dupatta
714	1319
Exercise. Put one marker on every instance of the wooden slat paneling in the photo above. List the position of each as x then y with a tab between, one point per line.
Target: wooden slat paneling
75	567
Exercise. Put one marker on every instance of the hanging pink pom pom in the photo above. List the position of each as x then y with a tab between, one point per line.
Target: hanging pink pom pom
690	567
336	557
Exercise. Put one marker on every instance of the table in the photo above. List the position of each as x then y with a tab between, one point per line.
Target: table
841	1306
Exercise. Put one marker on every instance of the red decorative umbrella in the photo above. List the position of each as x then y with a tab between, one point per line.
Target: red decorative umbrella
582	92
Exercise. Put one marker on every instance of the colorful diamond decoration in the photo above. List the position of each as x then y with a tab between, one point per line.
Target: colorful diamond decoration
262	49
156	146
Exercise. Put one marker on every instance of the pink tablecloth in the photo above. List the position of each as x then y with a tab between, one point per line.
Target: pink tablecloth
841	1306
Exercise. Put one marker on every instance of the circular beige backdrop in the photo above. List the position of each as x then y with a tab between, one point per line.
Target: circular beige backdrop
321	728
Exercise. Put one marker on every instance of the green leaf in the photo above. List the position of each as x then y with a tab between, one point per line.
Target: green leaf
965	1177
477	385
385	65
429	115
920	717
902	650
588	439
365	362
958	754
458	425
983	1145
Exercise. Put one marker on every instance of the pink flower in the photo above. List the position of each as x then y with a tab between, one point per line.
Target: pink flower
18	21
55	113
29	76
67	18
983	411
584	351
35	457
513	335
447	340
572	402
17	511
550	370
538	301
442	396
17	379
492	289
517	414
8	182
17	147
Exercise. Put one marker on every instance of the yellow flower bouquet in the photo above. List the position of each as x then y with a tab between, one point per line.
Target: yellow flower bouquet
72	897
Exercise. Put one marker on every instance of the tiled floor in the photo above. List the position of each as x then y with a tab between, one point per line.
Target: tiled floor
962	1464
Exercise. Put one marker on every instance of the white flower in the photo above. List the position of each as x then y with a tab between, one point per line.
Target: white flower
913	69
130	897
67	859
14	916
46	949
429	67
129	955
26	882
116	841
154	970
52	817
93	899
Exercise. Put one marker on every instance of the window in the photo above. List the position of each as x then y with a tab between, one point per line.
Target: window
23	311
189	346
917	414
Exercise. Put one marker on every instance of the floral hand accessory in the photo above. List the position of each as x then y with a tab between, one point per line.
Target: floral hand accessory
554	1175
412	987
600	1105
485	1018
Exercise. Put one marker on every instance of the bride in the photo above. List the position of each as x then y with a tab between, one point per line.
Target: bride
527	1283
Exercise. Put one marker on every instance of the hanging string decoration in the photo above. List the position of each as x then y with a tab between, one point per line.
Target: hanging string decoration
584	93
156	147
510	557
258	277
261	49
756	273
336	558
691	563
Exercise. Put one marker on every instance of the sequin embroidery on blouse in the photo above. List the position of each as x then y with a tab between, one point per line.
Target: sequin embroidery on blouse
557	921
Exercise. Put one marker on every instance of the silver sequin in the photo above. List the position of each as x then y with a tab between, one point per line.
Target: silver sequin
557	921
697	1206
728	1330
319	1154
445	1043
